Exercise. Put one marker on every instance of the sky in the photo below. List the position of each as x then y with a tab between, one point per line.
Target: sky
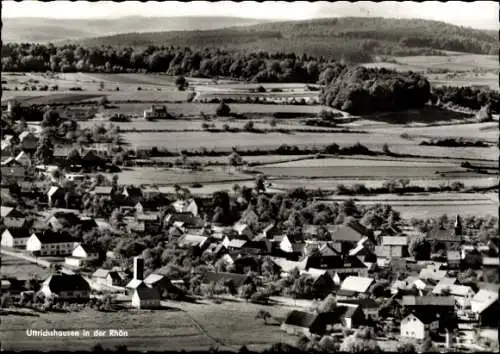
478	14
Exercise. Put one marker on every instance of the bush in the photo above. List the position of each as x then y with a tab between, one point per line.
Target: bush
249	126
223	110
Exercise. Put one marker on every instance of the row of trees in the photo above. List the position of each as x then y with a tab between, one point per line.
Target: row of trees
469	97
258	67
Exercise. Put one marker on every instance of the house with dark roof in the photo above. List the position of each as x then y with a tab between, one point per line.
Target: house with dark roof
368	306
352	232
66	287
60	220
50	243
237	280
15	237
146	298
111	277
305	323
486	306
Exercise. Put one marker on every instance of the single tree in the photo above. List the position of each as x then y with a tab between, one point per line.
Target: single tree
264	315
223	110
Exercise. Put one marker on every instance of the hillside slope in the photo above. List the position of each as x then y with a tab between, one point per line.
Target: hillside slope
46	30
349	36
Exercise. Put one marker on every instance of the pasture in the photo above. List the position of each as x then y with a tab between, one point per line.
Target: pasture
178	326
21	269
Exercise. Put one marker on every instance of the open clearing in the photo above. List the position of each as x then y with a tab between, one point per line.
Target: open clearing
183	326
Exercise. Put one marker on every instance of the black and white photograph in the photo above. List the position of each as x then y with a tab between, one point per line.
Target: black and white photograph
250	177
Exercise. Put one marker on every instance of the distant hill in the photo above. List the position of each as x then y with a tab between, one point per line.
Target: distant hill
330	37
51	30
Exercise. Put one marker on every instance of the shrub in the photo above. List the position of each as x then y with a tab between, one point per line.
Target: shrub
223	110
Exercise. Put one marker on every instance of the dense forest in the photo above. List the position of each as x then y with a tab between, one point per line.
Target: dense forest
360	90
468	97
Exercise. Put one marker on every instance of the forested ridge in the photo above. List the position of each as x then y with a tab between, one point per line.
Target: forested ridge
353	38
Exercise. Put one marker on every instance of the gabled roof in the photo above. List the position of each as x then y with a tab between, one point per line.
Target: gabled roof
239	227
394	241
357	284
444	283
351	232
364	303
301	319
102	190
432	273
154	278
10	161
49	236
192	240
491	261
333	262
16	223
287	265
425	316
135	284
460	290
409	300
237	279
236	243
483	299
101	273
5	211
53	190
89	247
18	233
66	282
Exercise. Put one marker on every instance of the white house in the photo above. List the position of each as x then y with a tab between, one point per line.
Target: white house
289	246
182	206
50	243
419	325
462	294
15	237
81	254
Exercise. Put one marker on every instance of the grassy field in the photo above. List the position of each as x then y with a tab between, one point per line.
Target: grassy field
225	141
195	327
210	160
456	62
21	269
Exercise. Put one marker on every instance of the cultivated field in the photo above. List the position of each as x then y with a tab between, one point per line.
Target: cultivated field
171	176
182	326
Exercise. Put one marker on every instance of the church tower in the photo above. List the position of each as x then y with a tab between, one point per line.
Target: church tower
458	226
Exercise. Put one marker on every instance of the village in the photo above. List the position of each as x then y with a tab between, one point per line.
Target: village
348	271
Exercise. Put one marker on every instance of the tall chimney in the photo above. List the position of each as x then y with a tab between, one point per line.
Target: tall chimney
138	268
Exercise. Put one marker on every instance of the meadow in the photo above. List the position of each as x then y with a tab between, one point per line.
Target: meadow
21	269
179	326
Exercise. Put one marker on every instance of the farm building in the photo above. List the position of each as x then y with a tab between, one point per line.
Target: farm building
369	306
110	277
146	298
485	304
50	243
357	284
66	287
156	112
15	237
443	284
352	231
394	247
192	240
159	282
419	325
304	323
